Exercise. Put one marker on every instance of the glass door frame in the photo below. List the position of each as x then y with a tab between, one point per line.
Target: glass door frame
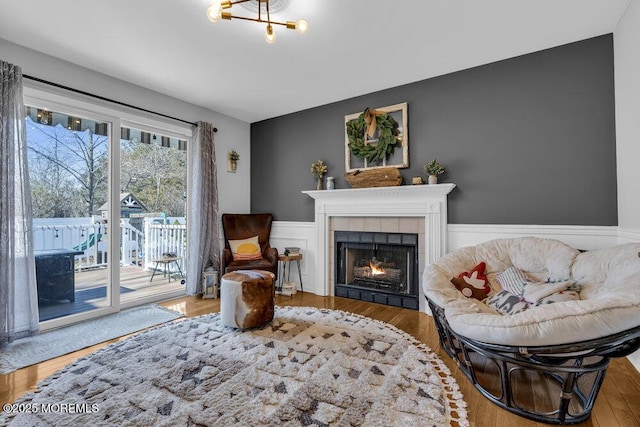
54	99
146	126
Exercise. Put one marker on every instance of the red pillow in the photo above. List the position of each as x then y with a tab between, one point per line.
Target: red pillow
473	284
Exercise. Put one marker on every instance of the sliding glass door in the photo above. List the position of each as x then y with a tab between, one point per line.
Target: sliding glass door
109	207
153	194
69	163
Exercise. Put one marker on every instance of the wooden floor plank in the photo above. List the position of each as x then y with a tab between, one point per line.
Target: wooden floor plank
623	378
617	405
623	413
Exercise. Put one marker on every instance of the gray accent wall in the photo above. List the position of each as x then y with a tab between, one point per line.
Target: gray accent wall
527	140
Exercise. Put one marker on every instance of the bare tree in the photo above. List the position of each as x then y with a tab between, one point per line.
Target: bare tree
76	163
156	175
70	168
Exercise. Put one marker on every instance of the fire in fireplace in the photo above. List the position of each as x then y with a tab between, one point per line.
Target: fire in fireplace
377	267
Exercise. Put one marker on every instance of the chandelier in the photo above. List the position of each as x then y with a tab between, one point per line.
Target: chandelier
216	12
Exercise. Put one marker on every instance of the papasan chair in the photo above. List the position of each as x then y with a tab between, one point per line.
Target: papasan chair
533	323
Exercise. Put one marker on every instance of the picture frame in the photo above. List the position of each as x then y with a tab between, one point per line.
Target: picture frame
400	156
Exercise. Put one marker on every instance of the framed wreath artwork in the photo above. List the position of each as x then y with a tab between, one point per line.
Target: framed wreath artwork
377	138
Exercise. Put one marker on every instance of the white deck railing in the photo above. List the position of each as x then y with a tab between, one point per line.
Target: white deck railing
137	247
163	240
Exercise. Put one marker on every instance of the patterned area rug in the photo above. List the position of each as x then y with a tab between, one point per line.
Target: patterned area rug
310	367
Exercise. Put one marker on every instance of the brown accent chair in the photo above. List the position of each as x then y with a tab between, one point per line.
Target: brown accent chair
244	226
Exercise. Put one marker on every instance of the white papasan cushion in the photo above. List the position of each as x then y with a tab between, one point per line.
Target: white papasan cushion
543	259
611	295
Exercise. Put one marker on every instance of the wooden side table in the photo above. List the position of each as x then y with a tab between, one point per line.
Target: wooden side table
285	260
166	261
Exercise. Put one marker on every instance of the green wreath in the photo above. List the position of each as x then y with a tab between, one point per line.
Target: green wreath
388	136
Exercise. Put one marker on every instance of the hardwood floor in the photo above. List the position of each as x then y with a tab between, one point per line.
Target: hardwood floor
618	404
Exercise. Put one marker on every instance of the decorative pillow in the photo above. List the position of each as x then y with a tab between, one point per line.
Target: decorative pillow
246	249
473	284
468	290
512	280
507	303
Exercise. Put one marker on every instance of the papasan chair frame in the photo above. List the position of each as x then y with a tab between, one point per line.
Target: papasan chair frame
578	368
546	363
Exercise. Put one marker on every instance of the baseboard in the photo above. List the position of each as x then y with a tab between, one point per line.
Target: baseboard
634	358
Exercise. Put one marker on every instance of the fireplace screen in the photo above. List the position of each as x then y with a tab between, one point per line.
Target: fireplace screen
380	267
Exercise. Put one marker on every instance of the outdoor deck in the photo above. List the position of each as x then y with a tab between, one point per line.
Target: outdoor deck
91	291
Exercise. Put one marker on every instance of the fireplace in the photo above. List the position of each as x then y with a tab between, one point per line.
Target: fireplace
427	204
377	267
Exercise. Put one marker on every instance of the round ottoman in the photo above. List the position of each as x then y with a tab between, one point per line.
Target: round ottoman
246	298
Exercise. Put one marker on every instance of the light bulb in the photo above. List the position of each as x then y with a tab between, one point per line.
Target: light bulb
214	12
270	36
302	26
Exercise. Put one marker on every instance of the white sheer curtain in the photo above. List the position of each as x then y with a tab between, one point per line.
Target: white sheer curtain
18	290
204	241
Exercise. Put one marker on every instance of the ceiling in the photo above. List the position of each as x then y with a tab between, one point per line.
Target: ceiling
353	47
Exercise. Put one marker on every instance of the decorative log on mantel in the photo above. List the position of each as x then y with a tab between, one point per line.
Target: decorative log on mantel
379	177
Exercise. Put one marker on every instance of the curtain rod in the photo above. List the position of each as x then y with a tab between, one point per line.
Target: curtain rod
39	80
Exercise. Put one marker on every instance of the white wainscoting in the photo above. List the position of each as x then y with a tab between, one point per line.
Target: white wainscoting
631	235
628	235
302	235
578	236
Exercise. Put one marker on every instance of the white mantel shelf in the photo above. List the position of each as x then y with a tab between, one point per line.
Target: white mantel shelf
427	201
401	200
399	190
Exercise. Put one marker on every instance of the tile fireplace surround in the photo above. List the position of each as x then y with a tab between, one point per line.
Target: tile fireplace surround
420	209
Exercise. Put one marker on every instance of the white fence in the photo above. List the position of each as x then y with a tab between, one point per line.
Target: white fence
165	240
90	241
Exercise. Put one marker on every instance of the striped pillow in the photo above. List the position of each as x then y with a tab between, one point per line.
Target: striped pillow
512	280
245	249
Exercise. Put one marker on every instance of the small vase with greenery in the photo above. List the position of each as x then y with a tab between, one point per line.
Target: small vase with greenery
318	169
433	169
232	160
